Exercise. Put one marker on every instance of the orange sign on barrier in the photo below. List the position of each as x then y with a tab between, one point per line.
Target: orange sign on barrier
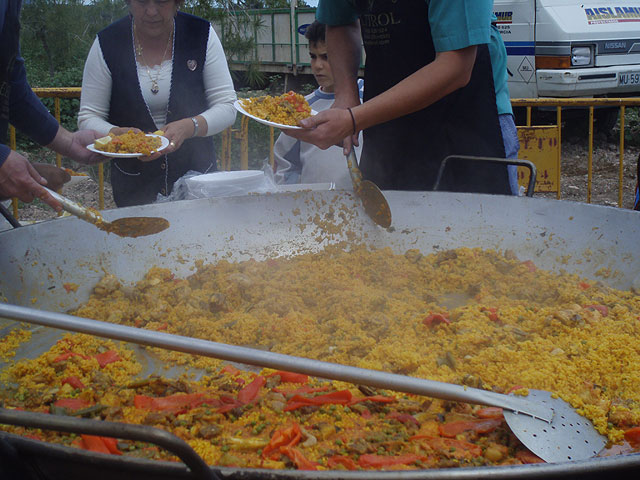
540	146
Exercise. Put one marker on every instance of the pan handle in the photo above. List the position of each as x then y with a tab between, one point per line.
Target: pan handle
10	218
506	161
142	433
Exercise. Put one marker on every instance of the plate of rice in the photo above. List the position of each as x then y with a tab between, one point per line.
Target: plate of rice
129	145
283	111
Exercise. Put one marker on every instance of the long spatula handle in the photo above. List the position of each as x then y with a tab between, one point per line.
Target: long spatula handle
73	208
317	368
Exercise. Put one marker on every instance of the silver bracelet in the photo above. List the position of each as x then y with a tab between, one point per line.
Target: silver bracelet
195	126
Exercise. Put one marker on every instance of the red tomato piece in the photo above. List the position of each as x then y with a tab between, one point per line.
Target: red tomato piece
231	370
346	462
530	266
74	381
284	437
297	457
341	397
525	456
380	461
107	357
633	436
290	377
249	393
72	403
67	355
451	429
112	445
404	418
489	412
373	398
94	444
434	319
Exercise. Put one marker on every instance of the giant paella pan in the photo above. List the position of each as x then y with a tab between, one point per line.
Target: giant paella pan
488	292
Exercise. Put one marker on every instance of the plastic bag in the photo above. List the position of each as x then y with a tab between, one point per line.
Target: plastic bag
194	185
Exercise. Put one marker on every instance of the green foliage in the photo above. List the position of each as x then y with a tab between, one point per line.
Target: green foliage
632	126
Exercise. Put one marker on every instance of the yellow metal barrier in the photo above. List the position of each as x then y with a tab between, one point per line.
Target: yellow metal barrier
590	103
242	135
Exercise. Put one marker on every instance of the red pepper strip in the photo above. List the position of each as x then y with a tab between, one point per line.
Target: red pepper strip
249	393
489	412
373	398
298	458
107	357
284	437
303	389
231	370
112	445
450	447
173	403
74	381
346	462
584	286
451	429
341	397
435	318
632	436
514	388
525	456
67	355
72	403
404	418
290	377
380	461
604	311
94	444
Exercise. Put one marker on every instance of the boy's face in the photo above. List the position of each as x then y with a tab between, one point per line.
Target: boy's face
320	66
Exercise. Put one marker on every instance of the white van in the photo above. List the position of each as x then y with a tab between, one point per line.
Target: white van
564	48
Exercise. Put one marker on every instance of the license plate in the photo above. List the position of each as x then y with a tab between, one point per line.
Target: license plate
625	79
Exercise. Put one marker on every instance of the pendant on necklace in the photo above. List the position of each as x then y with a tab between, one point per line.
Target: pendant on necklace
154	87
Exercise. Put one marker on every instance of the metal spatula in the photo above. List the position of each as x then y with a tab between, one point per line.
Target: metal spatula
548	426
372	198
123	227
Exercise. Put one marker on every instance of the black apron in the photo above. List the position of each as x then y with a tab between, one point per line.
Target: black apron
406	153
135	182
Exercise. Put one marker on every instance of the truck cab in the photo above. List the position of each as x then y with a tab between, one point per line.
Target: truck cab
564	48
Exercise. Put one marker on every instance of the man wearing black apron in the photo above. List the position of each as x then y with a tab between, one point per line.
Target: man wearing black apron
406	141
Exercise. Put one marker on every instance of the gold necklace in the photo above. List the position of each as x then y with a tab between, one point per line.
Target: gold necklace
155	88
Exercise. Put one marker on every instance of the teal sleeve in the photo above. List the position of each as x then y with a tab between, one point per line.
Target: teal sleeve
336	12
457	24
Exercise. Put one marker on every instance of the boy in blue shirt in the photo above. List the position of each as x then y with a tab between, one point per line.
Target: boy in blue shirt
301	162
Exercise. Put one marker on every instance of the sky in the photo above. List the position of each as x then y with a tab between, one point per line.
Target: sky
312	3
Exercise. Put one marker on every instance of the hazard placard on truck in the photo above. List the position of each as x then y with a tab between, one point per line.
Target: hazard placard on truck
562	48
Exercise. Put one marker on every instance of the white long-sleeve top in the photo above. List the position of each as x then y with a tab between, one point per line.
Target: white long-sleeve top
219	91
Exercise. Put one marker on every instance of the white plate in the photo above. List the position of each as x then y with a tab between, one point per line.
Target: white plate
163	145
240	108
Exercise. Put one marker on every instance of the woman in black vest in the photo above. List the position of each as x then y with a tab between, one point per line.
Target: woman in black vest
158	69
422	103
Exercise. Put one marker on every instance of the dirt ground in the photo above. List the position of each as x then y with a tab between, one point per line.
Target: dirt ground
573	179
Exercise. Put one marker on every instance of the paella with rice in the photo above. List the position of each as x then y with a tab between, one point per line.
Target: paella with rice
467	316
285	109
130	142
